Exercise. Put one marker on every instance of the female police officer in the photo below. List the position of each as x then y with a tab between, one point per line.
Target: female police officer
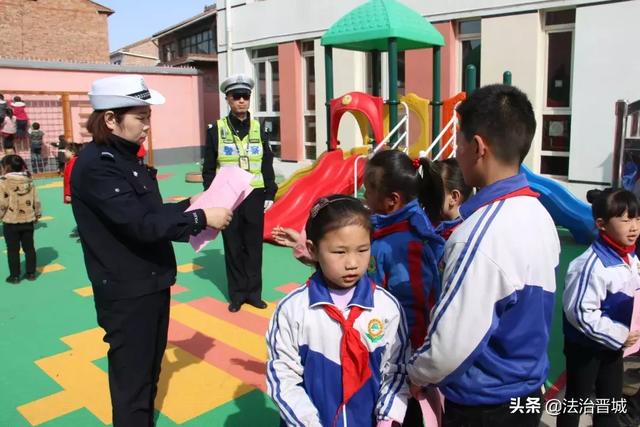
126	233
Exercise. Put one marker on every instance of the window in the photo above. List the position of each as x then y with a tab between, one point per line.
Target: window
309	99
556	114
201	42
267	91
401	75
169	51
469	37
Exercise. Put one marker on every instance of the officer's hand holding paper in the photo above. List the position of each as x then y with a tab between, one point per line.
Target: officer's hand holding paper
228	189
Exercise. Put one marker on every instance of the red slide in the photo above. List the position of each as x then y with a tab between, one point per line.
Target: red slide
332	175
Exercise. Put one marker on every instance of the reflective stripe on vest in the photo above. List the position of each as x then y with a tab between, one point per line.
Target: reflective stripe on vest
230	148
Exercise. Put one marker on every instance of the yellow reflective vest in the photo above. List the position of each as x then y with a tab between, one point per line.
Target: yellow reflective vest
231	148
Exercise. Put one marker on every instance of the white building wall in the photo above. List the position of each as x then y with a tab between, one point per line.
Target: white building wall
606	68
513	43
276	21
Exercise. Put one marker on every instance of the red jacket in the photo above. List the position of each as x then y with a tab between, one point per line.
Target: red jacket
19	110
67	177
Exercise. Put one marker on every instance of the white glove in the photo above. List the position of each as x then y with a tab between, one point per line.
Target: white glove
267	204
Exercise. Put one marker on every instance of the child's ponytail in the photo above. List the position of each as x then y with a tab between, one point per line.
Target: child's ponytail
431	190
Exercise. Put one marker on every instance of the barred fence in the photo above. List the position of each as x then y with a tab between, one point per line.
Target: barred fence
60	115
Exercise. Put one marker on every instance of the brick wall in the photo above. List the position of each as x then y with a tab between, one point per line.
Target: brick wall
145	47
66	30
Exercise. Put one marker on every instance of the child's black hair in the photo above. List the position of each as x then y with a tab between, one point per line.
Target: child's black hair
9	112
1	96
503	116
612	202
392	171
439	178
17	99
35	125
334	212
14	163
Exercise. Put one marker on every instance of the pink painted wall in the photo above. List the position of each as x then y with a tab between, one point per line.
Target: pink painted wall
176	124
419	66
419	72
291	120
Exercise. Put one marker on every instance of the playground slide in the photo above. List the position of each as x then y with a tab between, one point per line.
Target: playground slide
333	174
566	209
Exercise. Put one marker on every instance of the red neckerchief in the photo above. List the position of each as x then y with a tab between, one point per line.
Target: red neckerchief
623	251
524	191
354	355
446	233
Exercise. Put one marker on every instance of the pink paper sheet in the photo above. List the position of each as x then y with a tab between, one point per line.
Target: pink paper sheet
228	189
635	324
431	404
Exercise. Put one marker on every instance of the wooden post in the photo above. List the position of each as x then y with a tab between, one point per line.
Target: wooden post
66	117
150	150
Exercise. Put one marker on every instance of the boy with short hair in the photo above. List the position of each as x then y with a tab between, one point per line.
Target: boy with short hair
488	336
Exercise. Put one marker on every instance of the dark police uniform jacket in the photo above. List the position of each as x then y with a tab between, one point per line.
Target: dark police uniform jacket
125	228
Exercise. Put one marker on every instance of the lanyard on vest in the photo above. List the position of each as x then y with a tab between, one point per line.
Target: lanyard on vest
243	159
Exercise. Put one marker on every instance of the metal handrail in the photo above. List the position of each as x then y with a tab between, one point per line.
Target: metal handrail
385	141
449	142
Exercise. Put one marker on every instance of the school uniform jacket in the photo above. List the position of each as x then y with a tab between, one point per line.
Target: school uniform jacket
487	341
406	251
598	297
304	374
446	228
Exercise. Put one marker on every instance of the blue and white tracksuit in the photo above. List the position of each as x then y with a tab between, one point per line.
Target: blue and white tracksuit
304	374
406	251
487	341
598	297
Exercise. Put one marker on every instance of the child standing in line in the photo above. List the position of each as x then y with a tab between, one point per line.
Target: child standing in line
19	211
36	135
337	346
22	118
9	133
406	249
442	193
598	302
489	331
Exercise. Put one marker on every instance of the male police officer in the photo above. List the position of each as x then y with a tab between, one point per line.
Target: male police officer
238	140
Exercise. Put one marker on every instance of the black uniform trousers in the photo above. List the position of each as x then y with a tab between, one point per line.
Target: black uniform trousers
490	415
16	235
137	337
588	368
243	249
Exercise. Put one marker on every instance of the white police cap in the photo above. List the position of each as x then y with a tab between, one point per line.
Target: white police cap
237	82
122	92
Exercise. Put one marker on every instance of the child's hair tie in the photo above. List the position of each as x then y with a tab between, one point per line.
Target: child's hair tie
417	165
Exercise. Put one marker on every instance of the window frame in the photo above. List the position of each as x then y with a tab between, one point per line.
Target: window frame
306	112
268	78
463	38
556	111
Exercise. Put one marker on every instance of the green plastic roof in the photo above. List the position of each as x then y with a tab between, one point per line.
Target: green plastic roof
370	26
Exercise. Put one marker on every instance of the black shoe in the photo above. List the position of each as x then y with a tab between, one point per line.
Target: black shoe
234	307
258	304
13	280
30	276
